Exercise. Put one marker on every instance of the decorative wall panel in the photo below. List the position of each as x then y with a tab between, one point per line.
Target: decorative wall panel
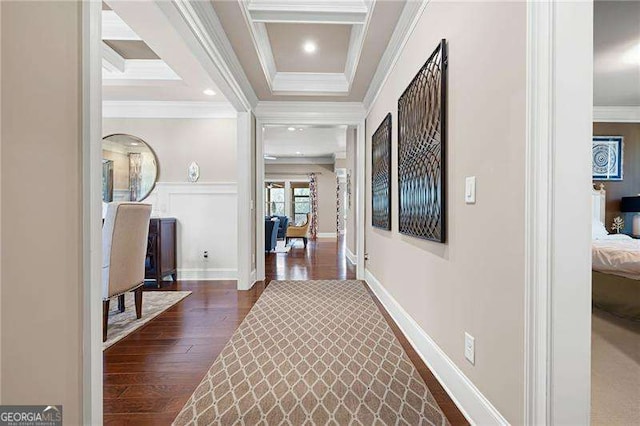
421	150
381	175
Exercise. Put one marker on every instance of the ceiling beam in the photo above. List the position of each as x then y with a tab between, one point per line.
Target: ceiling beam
114	28
320	12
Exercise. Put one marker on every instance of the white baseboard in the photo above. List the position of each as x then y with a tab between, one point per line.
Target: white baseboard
213	274
471	402
327	235
350	256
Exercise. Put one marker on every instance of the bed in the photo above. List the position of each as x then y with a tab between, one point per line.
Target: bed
615	265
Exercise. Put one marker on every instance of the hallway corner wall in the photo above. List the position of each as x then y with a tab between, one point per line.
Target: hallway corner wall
475	281
42	215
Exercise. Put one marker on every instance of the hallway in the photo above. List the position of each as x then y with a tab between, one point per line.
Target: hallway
150	374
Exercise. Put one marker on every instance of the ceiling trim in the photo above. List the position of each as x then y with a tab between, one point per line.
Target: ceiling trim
207	32
308	83
288	83
300	160
164	109
137	70
111	60
283	112
409	17
616	114
114	28
320	12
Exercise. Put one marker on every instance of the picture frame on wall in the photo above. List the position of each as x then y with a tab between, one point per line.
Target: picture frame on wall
607	158
421	150
381	175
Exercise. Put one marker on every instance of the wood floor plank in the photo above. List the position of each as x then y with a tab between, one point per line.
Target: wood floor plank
150	374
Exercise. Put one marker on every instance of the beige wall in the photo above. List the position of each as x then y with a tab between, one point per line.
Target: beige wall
326	188
42	205
475	282
351	227
179	141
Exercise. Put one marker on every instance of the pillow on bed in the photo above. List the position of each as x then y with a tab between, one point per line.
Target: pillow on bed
598	230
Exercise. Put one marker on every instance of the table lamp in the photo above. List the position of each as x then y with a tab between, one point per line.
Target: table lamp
632	205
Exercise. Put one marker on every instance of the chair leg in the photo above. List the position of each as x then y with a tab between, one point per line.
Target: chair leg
138	296
121	303
304	240
105	319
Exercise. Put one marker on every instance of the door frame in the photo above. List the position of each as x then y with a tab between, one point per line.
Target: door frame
306	114
557	212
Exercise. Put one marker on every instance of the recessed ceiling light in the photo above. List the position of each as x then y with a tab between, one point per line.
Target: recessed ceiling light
298	153
300	129
309	47
208	92
291	129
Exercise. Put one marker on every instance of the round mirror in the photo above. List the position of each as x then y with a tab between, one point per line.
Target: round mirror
129	168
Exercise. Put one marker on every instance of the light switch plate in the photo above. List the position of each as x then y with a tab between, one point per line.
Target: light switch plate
470	348
470	190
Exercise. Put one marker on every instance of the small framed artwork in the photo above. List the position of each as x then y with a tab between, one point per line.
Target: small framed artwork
381	175
608	156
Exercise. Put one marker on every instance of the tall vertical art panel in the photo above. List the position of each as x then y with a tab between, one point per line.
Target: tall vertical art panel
421	150
381	175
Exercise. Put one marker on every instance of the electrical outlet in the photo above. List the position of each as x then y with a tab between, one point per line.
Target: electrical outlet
470	348
205	255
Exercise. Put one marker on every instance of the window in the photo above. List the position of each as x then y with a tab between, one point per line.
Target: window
274	199
301	202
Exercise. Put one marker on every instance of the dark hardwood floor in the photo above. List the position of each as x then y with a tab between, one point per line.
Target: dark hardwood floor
150	374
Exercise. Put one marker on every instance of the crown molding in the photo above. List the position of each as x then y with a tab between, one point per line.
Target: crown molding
616	114
111	60
114	28
136	70
167	109
307	83
299	160
310	112
321	12
198	20
406	23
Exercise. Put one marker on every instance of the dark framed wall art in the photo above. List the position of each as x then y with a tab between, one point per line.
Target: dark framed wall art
381	175
421	150
608	157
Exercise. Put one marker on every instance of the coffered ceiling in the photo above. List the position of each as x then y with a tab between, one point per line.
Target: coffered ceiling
146	59
306	49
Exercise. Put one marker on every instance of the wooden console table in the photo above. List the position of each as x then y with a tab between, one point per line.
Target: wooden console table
161	250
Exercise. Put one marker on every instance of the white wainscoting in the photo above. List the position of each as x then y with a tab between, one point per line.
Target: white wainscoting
207	220
471	402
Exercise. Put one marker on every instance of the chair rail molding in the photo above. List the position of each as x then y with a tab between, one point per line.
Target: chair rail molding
167	109
616	114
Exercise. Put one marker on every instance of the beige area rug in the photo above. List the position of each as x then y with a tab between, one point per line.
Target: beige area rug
312	352
615	370
153	304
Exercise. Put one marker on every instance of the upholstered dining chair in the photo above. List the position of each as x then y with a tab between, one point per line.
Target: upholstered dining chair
124	248
301	231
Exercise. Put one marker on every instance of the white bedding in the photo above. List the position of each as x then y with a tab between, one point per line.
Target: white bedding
616	254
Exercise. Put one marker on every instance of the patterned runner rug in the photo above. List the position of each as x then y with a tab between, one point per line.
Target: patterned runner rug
312	352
